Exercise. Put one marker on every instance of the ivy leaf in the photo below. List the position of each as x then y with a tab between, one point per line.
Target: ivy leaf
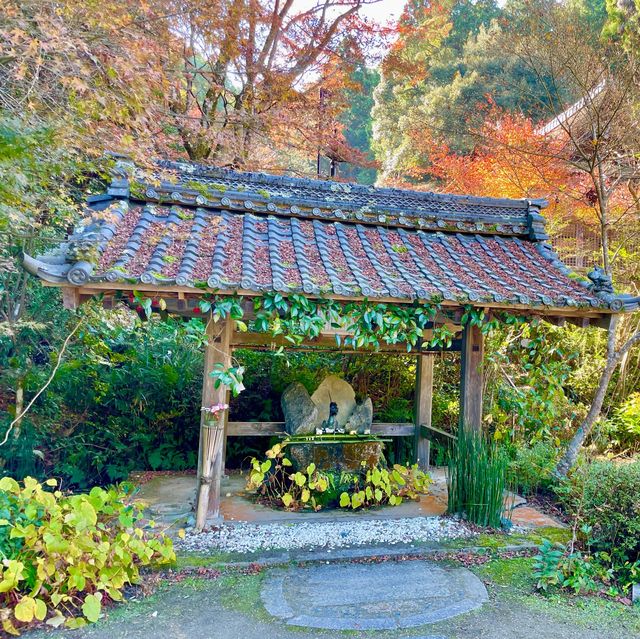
345	500
287	498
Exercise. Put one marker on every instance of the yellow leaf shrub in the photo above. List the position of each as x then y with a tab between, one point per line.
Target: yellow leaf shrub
64	556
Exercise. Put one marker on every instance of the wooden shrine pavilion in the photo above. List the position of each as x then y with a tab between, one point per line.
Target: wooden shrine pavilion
180	230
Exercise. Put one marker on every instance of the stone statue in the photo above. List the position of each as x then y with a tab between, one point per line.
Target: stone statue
331	409
330	425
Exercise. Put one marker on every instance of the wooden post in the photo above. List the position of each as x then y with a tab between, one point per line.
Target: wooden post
423	406
227	399
212	435
471	378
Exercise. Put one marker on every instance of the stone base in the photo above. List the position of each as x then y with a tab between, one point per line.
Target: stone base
381	596
335	455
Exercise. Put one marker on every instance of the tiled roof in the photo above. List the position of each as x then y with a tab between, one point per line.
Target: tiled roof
225	231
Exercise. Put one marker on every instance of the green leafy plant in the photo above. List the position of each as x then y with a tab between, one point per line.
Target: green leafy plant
477	478
532	466
379	486
602	497
555	566
65	556
279	485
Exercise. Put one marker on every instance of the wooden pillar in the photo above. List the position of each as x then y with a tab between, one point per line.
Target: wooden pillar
471	378
212	433
423	406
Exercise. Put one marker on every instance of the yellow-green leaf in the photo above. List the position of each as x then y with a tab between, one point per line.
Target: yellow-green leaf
75	622
9	628
9	485
345	500
92	606
25	609
287	498
41	610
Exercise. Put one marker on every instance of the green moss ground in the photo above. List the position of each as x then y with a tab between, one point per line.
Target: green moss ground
513	580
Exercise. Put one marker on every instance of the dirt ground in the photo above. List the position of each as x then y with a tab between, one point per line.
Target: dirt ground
230	607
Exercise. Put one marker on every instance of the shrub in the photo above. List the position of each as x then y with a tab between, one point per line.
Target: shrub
555	566
64	556
604	498
531	467
277	484
477	478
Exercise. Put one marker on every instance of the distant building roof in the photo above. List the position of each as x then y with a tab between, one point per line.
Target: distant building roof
196	227
565	118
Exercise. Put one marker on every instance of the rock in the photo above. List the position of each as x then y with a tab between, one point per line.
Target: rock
300	413
361	418
334	389
336	456
635	593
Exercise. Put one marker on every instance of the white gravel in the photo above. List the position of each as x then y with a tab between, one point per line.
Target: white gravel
247	537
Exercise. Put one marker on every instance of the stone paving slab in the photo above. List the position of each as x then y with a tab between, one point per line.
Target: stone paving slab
371	597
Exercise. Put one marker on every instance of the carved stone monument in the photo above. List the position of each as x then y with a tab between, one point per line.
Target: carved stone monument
304	414
342	428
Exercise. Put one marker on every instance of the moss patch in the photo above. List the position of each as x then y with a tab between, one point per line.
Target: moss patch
210	560
559	535
516	573
242	593
513	580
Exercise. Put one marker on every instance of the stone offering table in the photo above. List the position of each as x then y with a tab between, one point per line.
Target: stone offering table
335	452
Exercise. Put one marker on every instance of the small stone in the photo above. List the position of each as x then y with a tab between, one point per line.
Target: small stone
300	413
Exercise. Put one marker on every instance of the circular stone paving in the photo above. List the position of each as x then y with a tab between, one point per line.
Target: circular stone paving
380	596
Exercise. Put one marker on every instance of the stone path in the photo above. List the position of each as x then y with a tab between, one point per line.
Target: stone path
371	597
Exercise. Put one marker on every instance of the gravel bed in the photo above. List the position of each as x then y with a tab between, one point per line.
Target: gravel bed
247	537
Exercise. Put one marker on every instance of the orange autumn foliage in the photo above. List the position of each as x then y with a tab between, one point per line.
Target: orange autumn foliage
511	160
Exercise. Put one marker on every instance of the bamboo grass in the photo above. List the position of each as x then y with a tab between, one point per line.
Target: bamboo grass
476	479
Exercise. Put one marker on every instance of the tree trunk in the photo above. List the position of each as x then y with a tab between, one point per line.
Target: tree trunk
17	428
614	357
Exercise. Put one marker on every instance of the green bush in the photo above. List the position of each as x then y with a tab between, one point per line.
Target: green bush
477	478
63	556
621	431
127	397
604	498
531	467
556	567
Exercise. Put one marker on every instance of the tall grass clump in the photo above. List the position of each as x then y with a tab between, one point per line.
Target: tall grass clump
477	478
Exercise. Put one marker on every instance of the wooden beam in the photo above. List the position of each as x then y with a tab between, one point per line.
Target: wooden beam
211	440
70	297
173	290
327	342
423	408
471	378
269	429
430	431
